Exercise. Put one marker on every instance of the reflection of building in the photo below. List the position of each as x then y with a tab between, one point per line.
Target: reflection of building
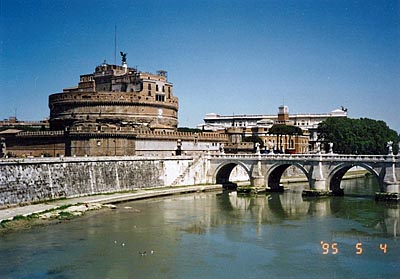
259	125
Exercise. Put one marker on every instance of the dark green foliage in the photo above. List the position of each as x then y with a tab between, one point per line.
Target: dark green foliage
65	215
19	217
282	129
254	139
358	136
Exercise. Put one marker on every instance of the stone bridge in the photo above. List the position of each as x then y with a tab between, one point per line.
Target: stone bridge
324	172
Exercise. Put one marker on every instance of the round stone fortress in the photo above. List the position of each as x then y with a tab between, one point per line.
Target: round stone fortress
116	96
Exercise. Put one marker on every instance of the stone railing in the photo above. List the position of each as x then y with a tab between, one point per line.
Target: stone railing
181	135
309	157
50	160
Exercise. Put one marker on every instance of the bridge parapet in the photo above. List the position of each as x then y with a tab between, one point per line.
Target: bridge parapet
310	157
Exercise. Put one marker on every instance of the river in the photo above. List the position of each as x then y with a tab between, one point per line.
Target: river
217	235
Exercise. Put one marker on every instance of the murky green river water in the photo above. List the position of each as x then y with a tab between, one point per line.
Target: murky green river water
217	235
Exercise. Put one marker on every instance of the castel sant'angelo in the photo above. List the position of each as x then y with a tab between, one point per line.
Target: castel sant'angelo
115	111
116	96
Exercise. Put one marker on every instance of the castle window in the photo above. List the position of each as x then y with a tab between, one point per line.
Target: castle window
157	87
149	86
160	98
163	89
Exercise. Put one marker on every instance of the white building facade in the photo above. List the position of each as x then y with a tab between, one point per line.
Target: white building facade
306	121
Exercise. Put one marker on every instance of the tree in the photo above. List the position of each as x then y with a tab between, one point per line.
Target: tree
254	139
282	130
357	136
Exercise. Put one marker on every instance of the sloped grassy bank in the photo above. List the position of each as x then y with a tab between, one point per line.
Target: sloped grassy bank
52	216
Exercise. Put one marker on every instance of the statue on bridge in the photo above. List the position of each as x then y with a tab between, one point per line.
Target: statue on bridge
318	145
330	147
2	147
271	146
221	148
389	145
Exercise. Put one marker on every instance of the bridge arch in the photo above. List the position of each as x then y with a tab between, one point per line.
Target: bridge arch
274	174
336	175
223	171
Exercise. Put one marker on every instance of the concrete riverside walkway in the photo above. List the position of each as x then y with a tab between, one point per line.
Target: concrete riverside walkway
11	212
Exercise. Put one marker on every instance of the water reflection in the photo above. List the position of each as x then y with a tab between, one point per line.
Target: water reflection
278	207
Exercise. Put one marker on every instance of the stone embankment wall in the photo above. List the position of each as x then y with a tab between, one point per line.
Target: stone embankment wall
39	179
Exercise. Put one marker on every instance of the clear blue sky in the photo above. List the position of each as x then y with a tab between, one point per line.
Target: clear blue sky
242	57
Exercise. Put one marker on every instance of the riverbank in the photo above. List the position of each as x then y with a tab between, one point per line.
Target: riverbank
19	212
68	208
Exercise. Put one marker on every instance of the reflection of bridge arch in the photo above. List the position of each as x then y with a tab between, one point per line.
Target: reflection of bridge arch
223	172
274	174
336	175
272	207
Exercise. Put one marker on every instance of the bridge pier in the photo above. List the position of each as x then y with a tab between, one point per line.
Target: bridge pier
319	190
392	192
391	184
318	182
393	188
257	181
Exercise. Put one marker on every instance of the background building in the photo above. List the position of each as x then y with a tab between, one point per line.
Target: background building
259	125
306	121
13	123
